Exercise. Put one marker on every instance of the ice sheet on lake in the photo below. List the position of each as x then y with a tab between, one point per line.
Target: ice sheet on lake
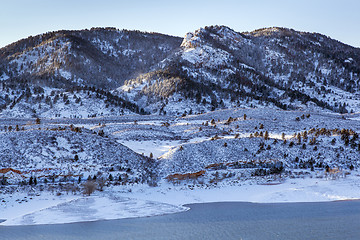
95	208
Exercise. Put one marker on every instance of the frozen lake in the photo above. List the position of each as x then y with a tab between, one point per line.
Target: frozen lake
226	220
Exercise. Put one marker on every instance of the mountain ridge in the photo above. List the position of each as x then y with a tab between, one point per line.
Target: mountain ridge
218	57
73	51
211	68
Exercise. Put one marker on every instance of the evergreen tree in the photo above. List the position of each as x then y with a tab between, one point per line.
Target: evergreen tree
31	182
3	181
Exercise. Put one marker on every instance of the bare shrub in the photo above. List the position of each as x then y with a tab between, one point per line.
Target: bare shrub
89	187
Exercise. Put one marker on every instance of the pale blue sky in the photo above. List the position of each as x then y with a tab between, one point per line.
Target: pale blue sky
338	19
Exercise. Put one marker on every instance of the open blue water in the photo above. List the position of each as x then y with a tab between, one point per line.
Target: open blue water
229	220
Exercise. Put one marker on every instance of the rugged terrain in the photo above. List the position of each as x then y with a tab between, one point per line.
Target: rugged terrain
126	110
217	67
104	72
230	145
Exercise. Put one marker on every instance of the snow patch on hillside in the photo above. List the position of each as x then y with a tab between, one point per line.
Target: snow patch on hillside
206	56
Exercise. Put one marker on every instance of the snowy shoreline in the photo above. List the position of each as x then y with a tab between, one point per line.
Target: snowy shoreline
143	201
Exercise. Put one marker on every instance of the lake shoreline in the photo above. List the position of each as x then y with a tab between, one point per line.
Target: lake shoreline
119	202
229	220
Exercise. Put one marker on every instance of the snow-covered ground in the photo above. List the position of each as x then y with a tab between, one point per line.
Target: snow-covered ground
142	201
291	190
163	136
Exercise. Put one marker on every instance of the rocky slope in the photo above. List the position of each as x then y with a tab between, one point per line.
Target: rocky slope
220	68
212	68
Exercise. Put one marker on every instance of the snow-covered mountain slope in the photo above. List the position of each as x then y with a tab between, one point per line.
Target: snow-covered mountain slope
211	68
56	151
80	102
220	68
99	57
